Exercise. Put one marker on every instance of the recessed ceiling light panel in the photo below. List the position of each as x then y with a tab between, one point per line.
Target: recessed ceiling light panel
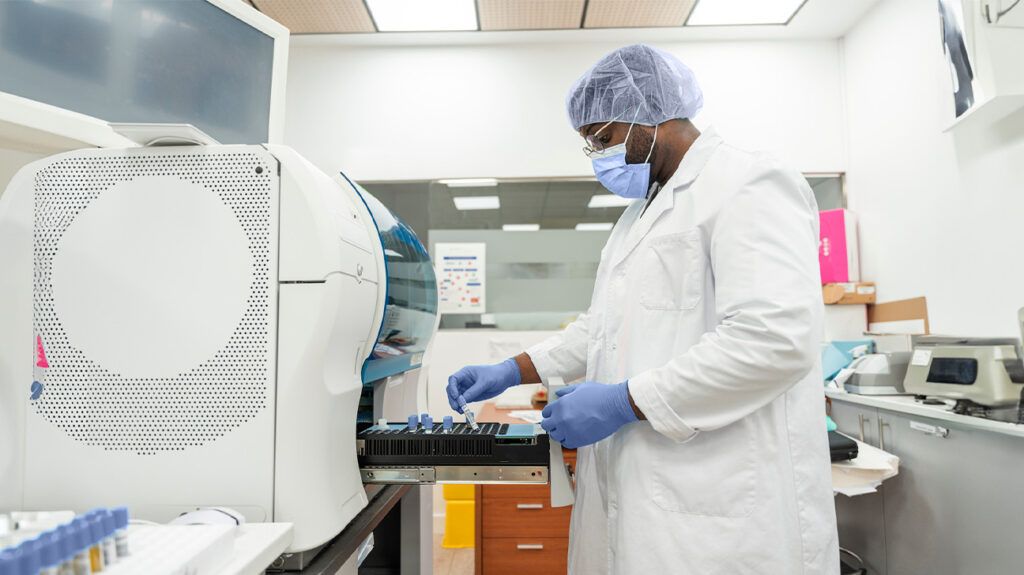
594	227
470	182
477	202
423	15
608	201
520	227
743	12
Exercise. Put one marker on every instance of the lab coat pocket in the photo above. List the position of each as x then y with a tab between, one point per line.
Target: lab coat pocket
673	272
715	474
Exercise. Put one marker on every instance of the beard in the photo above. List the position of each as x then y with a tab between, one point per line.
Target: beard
639	145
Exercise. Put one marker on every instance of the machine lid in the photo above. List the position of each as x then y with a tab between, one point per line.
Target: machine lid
410	314
937	340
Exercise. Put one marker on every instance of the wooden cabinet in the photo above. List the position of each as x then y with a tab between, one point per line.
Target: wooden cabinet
517	530
511	515
517	555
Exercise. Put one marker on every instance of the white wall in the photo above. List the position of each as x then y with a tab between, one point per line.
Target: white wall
940	214
497	109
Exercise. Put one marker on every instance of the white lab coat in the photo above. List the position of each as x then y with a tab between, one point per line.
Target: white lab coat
710	305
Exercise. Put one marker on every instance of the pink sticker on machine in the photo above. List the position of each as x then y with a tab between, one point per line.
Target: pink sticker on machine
41	353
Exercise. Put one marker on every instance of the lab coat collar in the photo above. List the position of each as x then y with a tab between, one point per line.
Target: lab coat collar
695	159
689	168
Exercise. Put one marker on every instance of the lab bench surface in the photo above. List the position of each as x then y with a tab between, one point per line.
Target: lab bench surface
516	527
906	404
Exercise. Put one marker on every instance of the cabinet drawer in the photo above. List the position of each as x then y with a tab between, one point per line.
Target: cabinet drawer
516	491
537	556
527	517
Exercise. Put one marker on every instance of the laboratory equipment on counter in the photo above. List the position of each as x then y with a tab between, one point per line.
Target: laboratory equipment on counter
879	374
983	371
207	326
492	453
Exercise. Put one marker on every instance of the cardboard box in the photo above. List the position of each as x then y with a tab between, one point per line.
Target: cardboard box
896	325
905	316
837	247
848	293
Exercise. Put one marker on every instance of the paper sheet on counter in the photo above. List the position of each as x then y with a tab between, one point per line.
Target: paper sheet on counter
527	415
865	473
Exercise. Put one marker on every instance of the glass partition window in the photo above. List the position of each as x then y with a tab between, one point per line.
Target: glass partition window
543	239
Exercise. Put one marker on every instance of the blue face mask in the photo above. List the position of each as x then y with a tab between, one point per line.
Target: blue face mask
632	181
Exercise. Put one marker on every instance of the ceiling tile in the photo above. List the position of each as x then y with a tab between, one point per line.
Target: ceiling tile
318	16
529	14
637	13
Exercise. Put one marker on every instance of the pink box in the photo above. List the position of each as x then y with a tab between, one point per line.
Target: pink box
837	247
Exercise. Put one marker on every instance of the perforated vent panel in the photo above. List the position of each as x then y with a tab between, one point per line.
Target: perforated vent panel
133	411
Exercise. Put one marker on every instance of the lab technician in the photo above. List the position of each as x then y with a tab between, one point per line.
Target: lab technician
701	424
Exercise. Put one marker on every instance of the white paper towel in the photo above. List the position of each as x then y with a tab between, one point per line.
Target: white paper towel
864	473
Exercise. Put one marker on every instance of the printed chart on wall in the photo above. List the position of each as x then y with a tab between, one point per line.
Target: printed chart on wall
460	277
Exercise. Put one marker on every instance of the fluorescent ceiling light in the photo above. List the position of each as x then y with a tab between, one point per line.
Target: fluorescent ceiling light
743	12
608	201
470	183
422	15
598	227
477	202
520	227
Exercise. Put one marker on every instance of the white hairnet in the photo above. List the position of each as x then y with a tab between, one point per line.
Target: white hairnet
631	77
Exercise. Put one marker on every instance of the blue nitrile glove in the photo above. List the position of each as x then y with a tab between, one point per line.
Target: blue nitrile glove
480	382
587	413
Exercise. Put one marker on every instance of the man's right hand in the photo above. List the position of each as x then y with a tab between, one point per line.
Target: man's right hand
480	382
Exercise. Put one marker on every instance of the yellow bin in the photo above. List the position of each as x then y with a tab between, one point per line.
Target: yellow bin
459	516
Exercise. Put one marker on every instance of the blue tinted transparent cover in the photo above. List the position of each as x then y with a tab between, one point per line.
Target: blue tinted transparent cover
411	311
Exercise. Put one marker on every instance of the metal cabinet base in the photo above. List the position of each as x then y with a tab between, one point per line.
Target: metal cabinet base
954	507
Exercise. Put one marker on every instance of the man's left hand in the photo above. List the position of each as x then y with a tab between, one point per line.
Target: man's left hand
587	413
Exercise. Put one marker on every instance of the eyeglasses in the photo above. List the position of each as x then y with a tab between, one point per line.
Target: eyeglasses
595	146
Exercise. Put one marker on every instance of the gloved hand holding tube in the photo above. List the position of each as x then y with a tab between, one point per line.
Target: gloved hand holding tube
480	382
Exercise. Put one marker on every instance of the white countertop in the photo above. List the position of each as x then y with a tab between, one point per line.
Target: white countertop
907	404
256	547
248	549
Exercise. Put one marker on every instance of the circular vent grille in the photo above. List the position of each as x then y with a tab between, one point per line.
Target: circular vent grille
95	405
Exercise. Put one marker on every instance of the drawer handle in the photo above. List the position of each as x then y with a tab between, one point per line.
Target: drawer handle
928	429
530	546
529	506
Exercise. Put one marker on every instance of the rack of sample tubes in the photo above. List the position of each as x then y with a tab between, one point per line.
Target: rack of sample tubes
60	543
423	452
